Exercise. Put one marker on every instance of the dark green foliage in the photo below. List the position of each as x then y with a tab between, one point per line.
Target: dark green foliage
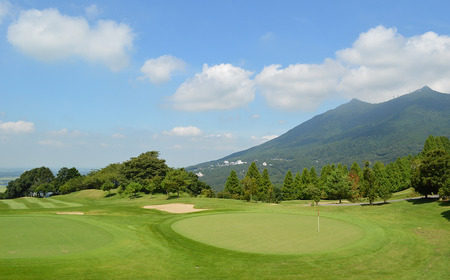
64	175
384	185
432	172
233	187
369	188
338	186
28	182
176	180
288	186
145	166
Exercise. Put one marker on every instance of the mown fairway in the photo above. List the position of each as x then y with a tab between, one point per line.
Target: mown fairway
117	239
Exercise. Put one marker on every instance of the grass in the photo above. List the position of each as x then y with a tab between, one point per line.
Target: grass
400	240
270	233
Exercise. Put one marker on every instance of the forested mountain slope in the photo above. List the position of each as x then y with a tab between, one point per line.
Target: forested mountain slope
355	131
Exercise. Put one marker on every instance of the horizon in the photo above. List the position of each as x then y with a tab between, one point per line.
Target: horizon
199	80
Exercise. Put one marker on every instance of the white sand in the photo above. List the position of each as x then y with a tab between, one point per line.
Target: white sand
178	208
70	213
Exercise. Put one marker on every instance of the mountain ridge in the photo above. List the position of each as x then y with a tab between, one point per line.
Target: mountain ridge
354	131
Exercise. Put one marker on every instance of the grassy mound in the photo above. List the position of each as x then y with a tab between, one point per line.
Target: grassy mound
270	233
46	236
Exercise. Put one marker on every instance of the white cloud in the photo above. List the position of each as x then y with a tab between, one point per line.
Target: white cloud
65	132
159	70
264	138
184	131
50	142
219	87
5	8
380	64
16	127
221	136
299	86
48	35
118	136
92	11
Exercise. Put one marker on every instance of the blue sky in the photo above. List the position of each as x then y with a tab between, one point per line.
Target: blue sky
87	83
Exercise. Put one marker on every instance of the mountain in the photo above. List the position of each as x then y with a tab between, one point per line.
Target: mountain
355	131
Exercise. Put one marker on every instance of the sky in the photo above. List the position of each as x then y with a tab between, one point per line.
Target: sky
88	83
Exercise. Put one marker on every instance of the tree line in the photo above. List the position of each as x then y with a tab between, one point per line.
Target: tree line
428	173
146	173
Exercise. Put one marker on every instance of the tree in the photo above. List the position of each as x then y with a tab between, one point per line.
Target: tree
338	185
232	186
108	186
250	187
133	189
265	189
370	184
145	166
288	184
384	185
432	172
176	180
64	175
28	182
314	193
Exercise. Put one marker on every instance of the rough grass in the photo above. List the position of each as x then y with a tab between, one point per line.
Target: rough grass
403	240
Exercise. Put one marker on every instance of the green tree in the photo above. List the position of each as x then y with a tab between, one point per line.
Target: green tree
288	186
432	172
64	175
250	187
28	182
338	185
233	186
145	166
108	186
384	185
355	178
370	184
176	180
132	189
265	189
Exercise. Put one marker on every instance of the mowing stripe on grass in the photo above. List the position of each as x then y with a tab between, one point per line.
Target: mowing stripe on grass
39	202
13	204
60	203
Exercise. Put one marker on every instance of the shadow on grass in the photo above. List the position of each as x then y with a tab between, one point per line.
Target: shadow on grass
110	195
446	214
422	200
172	196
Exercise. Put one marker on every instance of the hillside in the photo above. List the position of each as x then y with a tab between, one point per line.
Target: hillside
355	131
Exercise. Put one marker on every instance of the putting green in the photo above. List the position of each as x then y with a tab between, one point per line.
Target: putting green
45	236
270	233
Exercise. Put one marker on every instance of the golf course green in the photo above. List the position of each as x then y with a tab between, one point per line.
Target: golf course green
270	233
117	238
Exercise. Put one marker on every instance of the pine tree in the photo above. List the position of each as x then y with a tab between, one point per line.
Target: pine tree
287	188
265	190
232	186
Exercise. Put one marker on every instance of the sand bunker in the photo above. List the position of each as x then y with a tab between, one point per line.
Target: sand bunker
178	208
70	213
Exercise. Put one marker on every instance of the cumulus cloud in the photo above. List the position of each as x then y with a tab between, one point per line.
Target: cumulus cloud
159	70
219	87
48	35
380	64
184	131
16	127
299	86
5	8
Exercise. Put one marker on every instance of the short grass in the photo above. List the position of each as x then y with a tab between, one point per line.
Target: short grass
401	240
270	233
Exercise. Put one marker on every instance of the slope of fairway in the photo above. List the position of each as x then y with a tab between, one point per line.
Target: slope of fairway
43	236
270	233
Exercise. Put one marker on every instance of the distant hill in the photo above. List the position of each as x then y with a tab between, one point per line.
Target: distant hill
355	131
